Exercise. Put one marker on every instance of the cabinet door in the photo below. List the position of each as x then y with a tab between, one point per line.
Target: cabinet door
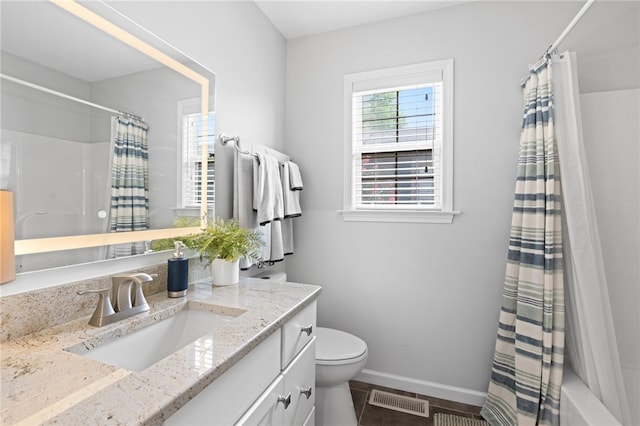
268	410
299	381
311	420
230	395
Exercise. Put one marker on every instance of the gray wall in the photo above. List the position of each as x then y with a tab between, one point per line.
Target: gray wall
426	297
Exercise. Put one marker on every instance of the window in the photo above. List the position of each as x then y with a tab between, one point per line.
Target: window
398	133
193	135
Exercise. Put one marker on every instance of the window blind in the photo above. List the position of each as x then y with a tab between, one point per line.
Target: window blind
397	143
193	137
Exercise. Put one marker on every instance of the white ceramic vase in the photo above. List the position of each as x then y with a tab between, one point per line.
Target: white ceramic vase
224	272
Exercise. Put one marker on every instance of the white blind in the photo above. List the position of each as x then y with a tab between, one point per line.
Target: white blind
193	138
397	144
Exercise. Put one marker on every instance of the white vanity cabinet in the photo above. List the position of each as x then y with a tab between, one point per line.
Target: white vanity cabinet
290	400
274	384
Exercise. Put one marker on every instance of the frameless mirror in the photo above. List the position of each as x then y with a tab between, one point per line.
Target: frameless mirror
65	77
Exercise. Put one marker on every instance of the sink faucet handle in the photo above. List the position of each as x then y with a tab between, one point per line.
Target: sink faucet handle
103	309
121	291
138	295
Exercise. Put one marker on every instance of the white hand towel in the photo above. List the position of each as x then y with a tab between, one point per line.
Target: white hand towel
267	199
295	178
290	198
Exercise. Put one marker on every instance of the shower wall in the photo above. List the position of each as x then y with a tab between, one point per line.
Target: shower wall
611	135
65	190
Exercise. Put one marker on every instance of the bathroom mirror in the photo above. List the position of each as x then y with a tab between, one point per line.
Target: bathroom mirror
57	152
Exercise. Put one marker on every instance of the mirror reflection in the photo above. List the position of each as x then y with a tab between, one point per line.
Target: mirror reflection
96	136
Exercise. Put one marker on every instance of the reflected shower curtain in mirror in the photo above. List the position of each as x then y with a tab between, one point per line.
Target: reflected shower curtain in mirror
526	375
129	183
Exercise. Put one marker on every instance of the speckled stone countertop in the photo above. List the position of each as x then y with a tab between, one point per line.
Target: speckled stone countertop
42	383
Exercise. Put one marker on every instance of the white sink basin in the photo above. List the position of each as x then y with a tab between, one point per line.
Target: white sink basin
145	347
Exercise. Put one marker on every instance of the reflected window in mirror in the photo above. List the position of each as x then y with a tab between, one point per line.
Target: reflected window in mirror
196	131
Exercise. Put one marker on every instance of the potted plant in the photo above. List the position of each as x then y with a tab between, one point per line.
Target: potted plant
223	243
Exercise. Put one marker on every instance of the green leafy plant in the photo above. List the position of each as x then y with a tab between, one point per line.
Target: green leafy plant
220	239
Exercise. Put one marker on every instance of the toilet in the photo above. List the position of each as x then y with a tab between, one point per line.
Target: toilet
340	357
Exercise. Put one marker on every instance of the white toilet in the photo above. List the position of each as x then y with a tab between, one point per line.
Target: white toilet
340	357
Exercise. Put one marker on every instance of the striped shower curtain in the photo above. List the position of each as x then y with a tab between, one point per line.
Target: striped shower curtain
526	375
129	183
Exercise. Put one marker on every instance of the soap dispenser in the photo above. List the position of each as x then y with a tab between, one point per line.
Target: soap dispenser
178	273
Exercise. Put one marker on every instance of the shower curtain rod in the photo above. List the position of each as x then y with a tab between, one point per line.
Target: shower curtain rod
566	31
64	95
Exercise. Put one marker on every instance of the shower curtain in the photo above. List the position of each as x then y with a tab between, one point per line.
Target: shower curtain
592	349
526	375
129	183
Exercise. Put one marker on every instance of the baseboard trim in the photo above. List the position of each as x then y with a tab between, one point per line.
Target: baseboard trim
423	387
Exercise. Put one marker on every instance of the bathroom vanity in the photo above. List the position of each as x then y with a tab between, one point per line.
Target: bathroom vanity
257	365
283	364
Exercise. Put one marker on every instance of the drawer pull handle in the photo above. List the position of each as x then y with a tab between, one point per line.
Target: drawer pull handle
306	392
286	400
308	329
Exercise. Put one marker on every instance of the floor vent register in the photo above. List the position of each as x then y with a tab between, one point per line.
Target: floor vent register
405	404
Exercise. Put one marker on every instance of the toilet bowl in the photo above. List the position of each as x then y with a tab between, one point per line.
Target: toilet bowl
340	357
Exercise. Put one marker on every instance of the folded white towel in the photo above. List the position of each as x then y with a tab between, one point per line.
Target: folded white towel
287	236
243	198
295	178
266	238
291	201
267	199
243	191
277	243
290	198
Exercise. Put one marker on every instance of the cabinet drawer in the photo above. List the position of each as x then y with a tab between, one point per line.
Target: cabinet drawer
267	410
231	394
299	380
296	333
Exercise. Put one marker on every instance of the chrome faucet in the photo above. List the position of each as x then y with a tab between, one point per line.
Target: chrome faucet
117	302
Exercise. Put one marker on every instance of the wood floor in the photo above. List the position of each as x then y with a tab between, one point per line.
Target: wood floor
370	415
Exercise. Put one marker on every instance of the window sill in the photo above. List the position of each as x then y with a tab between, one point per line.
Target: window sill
408	216
187	211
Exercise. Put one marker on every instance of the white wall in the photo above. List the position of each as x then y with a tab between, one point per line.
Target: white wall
426	297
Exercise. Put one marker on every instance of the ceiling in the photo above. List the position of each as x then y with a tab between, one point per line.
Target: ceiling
299	18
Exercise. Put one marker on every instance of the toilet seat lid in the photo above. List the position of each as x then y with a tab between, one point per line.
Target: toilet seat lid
334	345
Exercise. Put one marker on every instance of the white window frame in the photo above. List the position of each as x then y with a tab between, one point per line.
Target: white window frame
389	78
187	107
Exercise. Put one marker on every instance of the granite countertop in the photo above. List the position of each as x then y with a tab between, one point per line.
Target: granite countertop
42	383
